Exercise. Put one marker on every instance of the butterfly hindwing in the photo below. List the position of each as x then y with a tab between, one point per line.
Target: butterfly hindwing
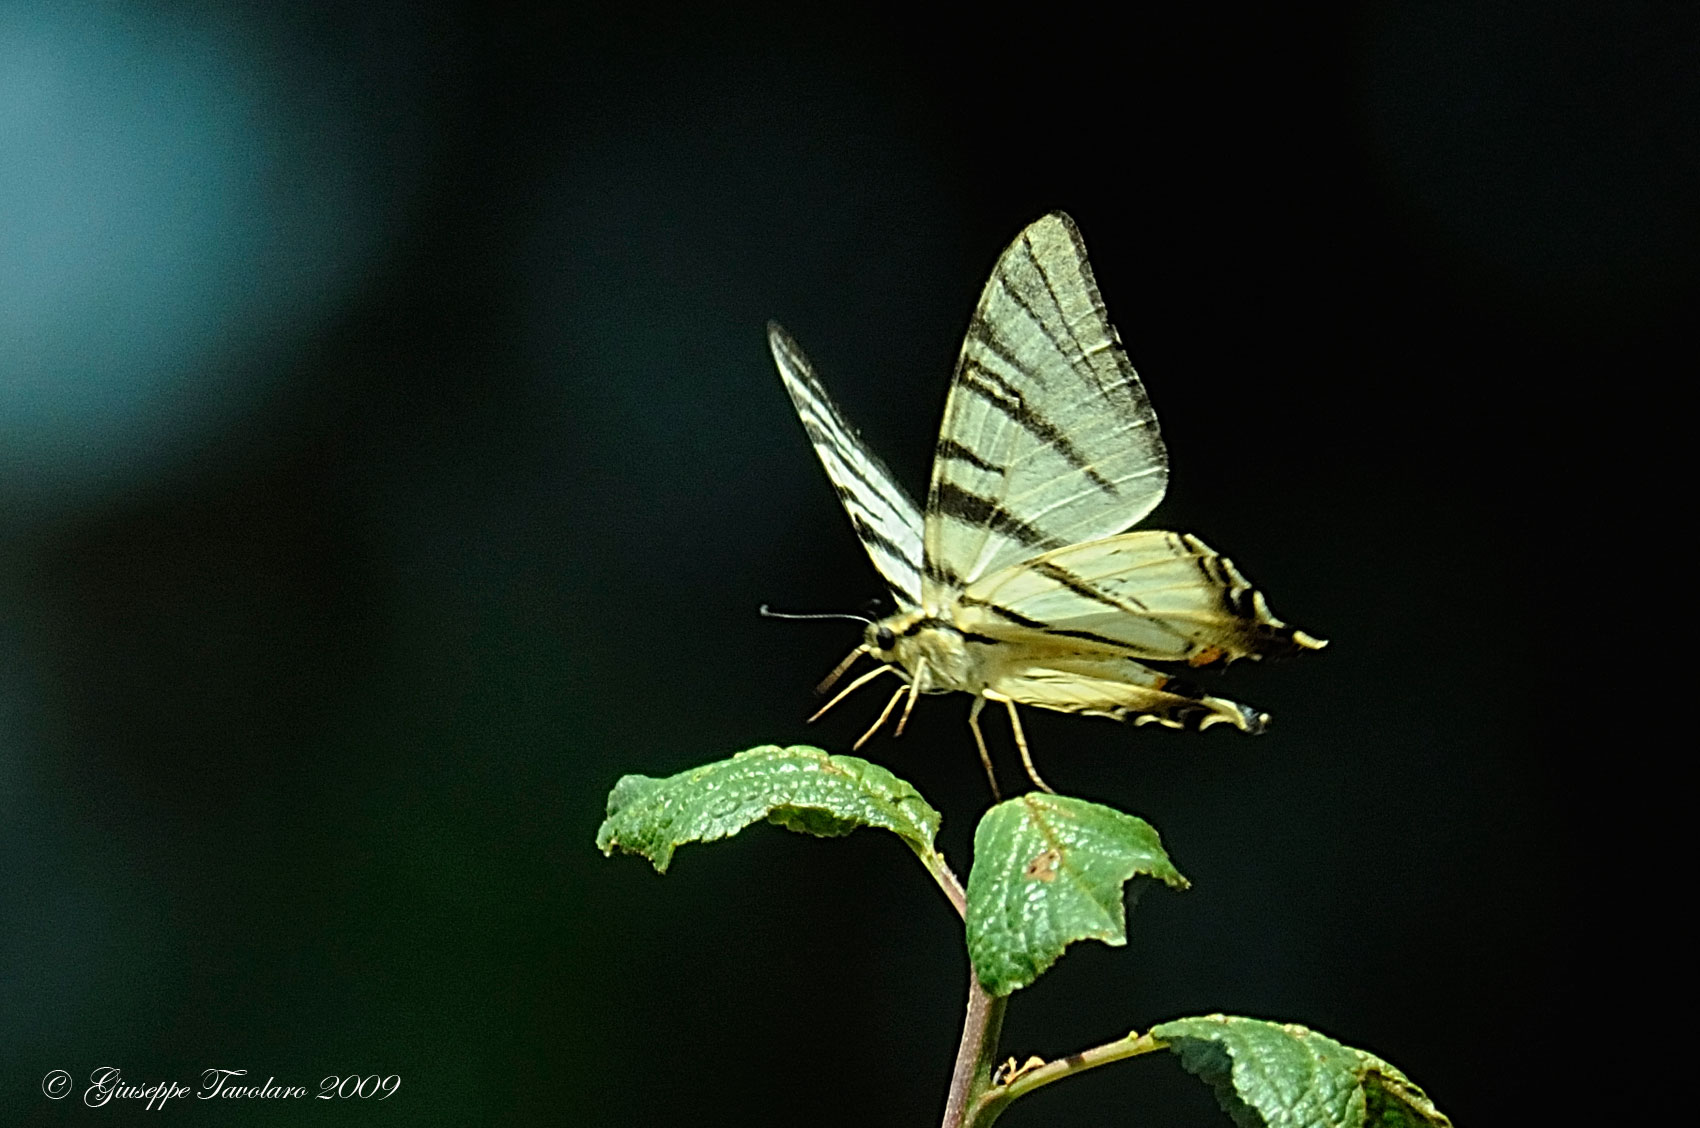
1159	596
1122	690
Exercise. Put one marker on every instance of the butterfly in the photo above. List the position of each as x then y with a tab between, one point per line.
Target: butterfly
1020	583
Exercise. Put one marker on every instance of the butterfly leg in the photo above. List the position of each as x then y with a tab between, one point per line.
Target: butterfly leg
847	691
838	671
1020	739
974	723
908	706
884	713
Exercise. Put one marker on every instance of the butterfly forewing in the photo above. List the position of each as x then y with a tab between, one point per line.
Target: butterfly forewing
887	522
1048	437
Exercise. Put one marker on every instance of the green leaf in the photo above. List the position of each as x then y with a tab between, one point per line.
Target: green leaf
1049	870
802	789
1269	1075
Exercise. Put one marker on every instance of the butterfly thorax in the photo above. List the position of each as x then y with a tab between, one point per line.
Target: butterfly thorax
929	648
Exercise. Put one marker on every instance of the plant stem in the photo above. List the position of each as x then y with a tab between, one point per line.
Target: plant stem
990	1103
975	1056
934	861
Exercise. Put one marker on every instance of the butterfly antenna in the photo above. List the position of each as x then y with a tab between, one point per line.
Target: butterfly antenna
884	713
767	612
848	690
827	682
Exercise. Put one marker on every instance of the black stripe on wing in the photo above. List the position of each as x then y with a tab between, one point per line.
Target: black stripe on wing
1086	590
949	450
1009	400
952	500
1079	358
1021	620
937	572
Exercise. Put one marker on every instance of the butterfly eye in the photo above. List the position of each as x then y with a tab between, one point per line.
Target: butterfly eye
884	639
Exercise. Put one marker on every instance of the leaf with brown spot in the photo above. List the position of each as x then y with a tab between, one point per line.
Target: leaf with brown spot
1044	867
1050	870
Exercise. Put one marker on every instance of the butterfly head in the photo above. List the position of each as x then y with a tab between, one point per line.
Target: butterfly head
929	649
892	639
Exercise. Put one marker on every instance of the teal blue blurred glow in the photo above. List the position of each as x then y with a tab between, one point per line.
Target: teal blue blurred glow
171	201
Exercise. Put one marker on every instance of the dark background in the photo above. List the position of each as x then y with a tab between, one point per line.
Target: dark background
390	459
